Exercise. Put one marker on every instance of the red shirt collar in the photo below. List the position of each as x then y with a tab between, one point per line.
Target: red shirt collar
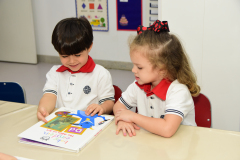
160	90
88	67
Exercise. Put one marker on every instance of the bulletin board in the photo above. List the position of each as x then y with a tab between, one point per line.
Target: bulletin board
96	11
129	14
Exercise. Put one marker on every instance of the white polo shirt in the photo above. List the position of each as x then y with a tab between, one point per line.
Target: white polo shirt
91	84
166	98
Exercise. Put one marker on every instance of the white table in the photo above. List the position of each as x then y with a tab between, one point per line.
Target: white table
189	143
8	107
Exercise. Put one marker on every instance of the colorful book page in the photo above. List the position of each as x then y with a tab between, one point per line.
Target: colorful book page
60	123
67	129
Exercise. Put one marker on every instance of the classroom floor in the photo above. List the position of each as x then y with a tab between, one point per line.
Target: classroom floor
33	77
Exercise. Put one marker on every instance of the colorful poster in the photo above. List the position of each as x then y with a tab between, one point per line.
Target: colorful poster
129	14
96	11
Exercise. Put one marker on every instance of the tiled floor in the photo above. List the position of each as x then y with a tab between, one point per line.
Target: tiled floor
33	77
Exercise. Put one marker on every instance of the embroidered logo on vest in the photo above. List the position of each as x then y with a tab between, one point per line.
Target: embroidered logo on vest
86	89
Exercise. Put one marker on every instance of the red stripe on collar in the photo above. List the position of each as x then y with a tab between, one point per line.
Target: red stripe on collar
160	90
87	68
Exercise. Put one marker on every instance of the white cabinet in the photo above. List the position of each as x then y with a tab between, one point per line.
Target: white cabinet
17	40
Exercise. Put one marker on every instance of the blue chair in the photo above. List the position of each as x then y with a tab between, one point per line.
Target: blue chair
12	91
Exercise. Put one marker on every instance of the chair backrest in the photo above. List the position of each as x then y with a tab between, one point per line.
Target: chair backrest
203	116
12	91
118	93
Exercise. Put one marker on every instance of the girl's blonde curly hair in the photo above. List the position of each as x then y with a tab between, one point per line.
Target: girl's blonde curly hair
164	51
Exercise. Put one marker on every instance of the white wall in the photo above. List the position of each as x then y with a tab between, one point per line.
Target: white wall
111	45
210	31
46	14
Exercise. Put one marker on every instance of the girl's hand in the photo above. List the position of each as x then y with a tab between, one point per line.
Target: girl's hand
127	128
124	115
93	109
41	114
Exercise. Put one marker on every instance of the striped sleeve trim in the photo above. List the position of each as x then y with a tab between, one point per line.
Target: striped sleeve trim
105	99
174	111
50	91
125	103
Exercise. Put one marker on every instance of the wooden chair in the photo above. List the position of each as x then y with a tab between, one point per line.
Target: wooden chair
12	91
202	111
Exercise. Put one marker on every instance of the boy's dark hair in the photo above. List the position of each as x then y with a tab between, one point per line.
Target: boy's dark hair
72	36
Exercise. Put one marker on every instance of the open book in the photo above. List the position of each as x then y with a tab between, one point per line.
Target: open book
67	129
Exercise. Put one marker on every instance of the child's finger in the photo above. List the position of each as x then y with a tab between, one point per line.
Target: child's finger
129	132
94	111
124	131
117	131
88	111
132	130
42	113
135	126
41	117
100	112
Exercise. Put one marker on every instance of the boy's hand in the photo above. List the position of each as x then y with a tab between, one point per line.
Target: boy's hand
93	109
42	113
124	115
46	106
127	127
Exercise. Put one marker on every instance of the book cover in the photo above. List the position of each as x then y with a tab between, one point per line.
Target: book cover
67	129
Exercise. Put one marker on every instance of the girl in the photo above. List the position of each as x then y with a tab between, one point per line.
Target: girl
164	85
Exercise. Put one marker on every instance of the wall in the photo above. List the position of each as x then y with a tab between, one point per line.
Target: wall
210	31
111	45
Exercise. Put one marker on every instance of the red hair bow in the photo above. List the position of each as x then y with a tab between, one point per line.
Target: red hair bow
157	26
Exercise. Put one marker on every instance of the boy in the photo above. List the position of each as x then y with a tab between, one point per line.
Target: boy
79	83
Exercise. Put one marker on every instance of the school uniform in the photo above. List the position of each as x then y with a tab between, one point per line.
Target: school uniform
91	84
166	98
